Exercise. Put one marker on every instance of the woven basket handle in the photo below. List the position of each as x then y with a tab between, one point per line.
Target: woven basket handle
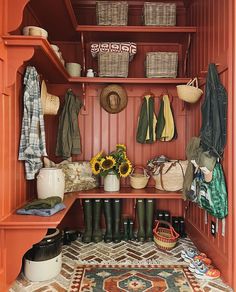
140	167
173	233
192	81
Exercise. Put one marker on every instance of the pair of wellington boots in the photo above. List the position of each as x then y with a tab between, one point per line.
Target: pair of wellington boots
128	225
145	211
92	215
112	213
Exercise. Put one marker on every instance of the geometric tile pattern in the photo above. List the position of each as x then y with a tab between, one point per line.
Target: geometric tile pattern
122	253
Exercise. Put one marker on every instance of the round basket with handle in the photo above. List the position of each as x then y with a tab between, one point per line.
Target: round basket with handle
189	92
139	180
165	238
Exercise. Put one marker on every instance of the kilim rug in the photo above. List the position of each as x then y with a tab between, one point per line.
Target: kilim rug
133	278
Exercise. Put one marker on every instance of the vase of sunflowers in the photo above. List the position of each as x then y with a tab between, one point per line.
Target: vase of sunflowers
112	167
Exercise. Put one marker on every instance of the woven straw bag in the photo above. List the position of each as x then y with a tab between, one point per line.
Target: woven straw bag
165	238
169	176
189	92
139	180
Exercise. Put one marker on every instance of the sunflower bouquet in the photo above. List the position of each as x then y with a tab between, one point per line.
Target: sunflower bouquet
115	162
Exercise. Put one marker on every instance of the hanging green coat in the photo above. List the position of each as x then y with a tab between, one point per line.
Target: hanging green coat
146	132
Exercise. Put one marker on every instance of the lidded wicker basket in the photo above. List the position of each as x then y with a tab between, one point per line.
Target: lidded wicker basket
165	238
139	180
112	12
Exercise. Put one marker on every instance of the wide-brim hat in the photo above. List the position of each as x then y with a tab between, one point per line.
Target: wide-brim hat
113	98
50	103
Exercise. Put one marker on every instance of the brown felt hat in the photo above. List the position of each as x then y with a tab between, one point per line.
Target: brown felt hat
113	98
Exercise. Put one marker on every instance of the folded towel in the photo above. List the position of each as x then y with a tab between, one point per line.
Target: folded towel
47	203
42	212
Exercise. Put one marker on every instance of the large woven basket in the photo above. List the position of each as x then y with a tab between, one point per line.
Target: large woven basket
169	176
161	64
112	12
112	64
165	238
161	14
139	180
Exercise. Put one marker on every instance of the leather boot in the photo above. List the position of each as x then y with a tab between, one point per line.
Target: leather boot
141	217
108	220
149	219
97	233
87	208
116	220
126	230
181	227
131	229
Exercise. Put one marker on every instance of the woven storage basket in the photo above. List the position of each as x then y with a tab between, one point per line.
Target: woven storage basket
162	14
165	238
112	12
189	92
112	64
139	180
161	64
169	176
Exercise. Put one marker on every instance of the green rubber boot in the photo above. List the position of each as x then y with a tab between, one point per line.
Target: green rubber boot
149	219
126	230
116	220
108	220
97	233
141	215
87	208
131	229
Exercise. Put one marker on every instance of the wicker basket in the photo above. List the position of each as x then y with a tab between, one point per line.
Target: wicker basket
189	92
161	64
139	180
161	14
169	176
165	238
112	12
112	64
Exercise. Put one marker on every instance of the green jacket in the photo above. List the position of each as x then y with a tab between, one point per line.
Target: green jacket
68	137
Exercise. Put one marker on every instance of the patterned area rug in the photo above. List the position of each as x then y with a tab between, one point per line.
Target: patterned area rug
135	278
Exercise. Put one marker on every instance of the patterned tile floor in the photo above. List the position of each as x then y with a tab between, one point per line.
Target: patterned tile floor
124	252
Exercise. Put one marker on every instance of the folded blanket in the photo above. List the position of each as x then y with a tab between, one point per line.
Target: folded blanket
47	203
42	212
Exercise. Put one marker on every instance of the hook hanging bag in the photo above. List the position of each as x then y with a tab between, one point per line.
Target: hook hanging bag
189	92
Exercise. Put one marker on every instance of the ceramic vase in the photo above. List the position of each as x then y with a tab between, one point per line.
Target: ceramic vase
111	183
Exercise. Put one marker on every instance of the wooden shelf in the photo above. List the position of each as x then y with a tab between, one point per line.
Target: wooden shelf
129	80
41	54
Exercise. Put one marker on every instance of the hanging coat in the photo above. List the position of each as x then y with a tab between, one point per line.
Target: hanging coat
169	128
146	132
214	114
68	137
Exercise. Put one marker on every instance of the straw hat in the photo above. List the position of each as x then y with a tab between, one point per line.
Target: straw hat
50	103
113	98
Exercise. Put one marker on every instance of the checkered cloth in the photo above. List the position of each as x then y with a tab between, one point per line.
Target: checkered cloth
32	142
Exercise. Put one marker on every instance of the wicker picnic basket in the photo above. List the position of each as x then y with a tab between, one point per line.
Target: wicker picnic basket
139	180
165	238
161	64
113	64
169	176
161	14
112	12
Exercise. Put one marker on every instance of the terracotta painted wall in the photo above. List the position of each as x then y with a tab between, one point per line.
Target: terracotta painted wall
211	44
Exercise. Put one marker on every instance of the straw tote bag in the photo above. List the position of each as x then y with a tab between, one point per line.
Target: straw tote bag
169	175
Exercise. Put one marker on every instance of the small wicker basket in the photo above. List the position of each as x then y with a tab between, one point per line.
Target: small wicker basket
113	64
139	180
112	12
161	64
162	14
189	92
165	238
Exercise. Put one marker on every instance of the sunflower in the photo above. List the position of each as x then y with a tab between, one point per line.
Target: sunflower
120	147
125	168
108	162
95	165
97	156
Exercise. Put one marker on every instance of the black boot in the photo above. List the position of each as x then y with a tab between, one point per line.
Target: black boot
131	229
126	230
116	220
149	219
181	227
97	233
141	216
108	220
175	224
87	208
